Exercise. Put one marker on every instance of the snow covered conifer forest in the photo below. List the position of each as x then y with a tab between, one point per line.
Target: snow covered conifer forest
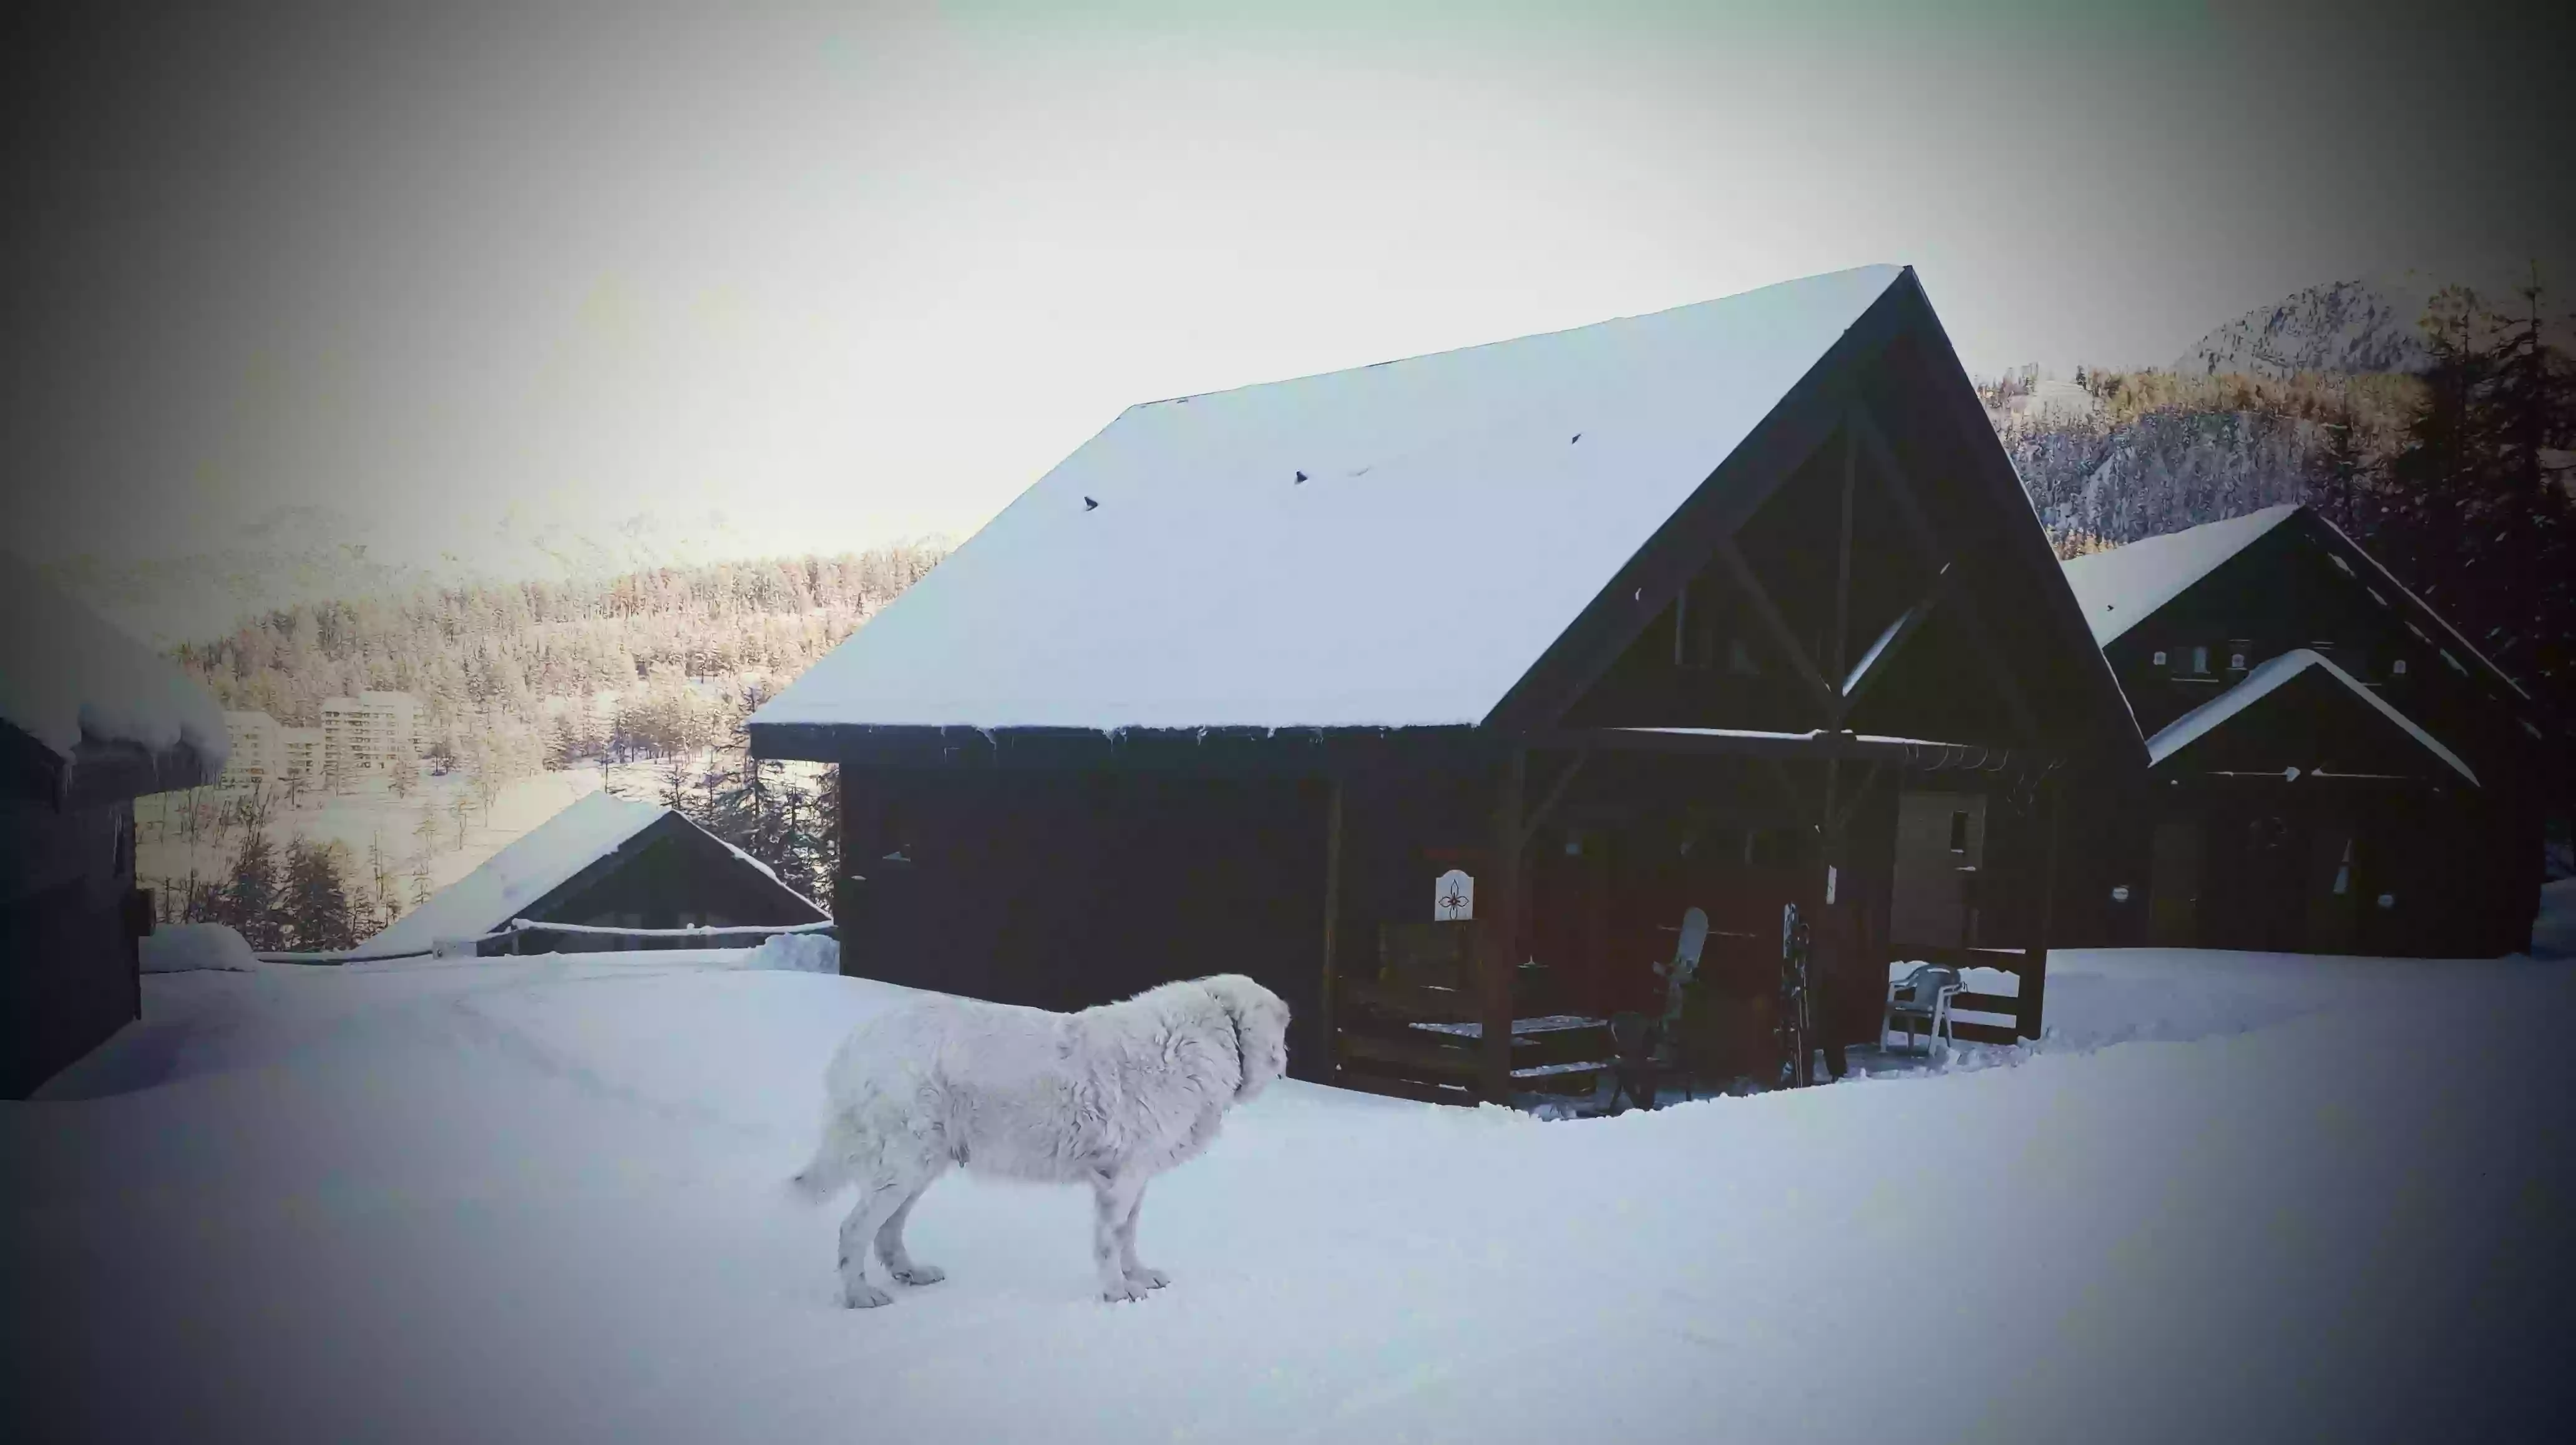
638	682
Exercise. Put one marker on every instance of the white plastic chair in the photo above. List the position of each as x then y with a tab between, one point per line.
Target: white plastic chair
1923	996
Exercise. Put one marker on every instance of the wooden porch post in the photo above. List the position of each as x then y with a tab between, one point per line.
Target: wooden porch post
1498	906
2034	983
1330	1054
862	819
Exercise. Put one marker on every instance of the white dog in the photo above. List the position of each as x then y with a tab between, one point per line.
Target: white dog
1110	1096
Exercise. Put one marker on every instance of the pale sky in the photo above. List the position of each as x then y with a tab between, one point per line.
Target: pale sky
847	274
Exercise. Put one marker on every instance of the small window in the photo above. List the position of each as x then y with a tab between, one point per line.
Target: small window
2160	658
2397	668
1958	832
2199	662
2343	871
2236	662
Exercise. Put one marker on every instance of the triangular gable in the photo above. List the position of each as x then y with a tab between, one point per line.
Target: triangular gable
1458	512
2276	681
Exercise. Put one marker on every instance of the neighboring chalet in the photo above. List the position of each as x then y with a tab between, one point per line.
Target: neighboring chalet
89	720
2333	768
604	862
1678	610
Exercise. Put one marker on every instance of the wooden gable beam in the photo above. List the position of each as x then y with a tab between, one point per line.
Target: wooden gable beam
1927	542
1731	557
1875	663
1555	794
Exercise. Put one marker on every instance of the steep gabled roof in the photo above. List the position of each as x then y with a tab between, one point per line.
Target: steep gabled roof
2269	678
1390	546
2124	586
535	865
86	698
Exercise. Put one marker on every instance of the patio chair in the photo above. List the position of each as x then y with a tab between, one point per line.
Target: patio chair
1922	997
1633	1065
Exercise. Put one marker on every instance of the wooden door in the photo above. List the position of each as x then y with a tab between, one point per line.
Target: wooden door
2173	883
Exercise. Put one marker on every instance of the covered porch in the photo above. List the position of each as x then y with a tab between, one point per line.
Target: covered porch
1464	968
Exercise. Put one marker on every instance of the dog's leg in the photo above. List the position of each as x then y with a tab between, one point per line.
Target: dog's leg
1136	1273
890	1250
1113	1200
879	1198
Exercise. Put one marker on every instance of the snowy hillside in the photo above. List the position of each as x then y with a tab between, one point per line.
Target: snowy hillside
311	555
2163	471
2344	326
2239	1197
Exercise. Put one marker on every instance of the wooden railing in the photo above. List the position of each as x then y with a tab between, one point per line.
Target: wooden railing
2021	1011
1412	1029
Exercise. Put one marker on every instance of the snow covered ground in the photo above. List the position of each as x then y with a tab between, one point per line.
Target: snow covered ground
2237	1197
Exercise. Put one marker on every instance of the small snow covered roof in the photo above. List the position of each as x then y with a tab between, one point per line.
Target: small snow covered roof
2267	679
534	865
1390	546
68	677
2124	586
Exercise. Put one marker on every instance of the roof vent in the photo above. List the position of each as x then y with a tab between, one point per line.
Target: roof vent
1089	505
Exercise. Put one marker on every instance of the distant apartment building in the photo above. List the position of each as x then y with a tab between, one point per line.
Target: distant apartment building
374	732
256	756
267	751
302	750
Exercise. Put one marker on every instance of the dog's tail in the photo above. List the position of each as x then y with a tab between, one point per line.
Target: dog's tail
829	1171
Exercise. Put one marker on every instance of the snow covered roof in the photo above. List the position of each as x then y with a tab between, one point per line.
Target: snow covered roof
534	865
2267	679
2124	586
1394	545
67	676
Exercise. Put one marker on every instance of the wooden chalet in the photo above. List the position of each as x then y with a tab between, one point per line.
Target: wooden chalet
2333	768
90	720
1691	609
608	863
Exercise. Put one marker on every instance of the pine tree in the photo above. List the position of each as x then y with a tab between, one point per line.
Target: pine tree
2476	516
315	904
249	902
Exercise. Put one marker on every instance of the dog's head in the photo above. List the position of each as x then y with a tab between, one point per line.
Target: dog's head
1260	1020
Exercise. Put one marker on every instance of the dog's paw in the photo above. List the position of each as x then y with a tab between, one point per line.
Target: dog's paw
920	1274
865	1297
1149	1278
1125	1289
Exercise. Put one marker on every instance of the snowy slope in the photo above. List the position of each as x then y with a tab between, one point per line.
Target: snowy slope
542	1200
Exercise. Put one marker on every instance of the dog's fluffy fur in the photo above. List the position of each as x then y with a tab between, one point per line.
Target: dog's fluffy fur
1110	1096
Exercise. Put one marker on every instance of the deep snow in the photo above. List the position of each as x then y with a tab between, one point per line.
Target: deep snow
2234	1197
